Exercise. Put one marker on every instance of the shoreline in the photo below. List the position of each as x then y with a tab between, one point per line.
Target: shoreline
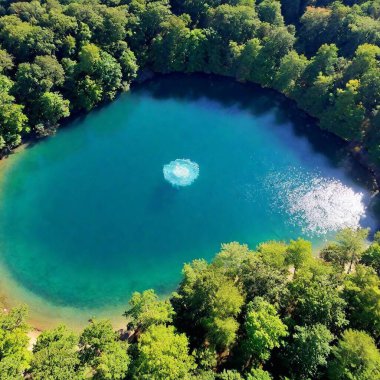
43	315
45	320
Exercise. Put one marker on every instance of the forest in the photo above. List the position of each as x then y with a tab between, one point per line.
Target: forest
62	57
276	312
273	312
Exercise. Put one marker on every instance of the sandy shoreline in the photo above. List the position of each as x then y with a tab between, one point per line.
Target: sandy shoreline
43	315
33	335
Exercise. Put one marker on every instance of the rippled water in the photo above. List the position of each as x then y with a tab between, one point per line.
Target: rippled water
87	217
320	205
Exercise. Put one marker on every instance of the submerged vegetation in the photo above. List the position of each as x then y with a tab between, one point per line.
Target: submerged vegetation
61	57
276	312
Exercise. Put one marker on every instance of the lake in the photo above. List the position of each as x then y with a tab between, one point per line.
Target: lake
87	217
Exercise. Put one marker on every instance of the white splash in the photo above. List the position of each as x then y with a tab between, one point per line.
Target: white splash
181	172
318	205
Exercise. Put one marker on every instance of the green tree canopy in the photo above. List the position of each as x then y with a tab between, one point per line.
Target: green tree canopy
308	351
101	350
163	354
14	354
146	309
362	294
55	356
315	297
371	257
355	358
264	330
347	249
208	302
298	253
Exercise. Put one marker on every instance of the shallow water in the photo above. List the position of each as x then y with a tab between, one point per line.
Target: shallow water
86	217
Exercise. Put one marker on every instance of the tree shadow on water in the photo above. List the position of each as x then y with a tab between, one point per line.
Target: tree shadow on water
229	94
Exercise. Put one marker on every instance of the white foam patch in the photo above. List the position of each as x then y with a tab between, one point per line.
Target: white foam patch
181	172
317	205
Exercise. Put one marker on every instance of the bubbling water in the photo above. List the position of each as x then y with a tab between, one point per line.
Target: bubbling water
327	206
181	172
318	205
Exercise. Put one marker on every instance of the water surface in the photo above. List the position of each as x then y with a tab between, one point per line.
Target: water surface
86	216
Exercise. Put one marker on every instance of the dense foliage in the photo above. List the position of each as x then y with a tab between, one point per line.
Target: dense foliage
276	312
58	57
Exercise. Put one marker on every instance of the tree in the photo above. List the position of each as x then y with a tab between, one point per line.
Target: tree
262	280
25	40
128	65
362	295
315	297
258	374
13	121
247	60
237	23
68	46
374	135
316	97
101	349
290	70
308	351
52	108
355	358
206	359
101	67
314	32
273	253
146	24
348	247
369	89
323	63
169	46
278	43
346	116
14	354
89	56
163	354
196	51
6	61
32	11
298	253
371	257
113	25
88	93
112	363
207	304
230	375
94	338
146	310
35	79
264	330
55	356
332	252
270	11
258	273
365	59
232	259
51	69
108	71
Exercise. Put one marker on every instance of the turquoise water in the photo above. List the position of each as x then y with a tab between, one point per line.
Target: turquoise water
87	216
